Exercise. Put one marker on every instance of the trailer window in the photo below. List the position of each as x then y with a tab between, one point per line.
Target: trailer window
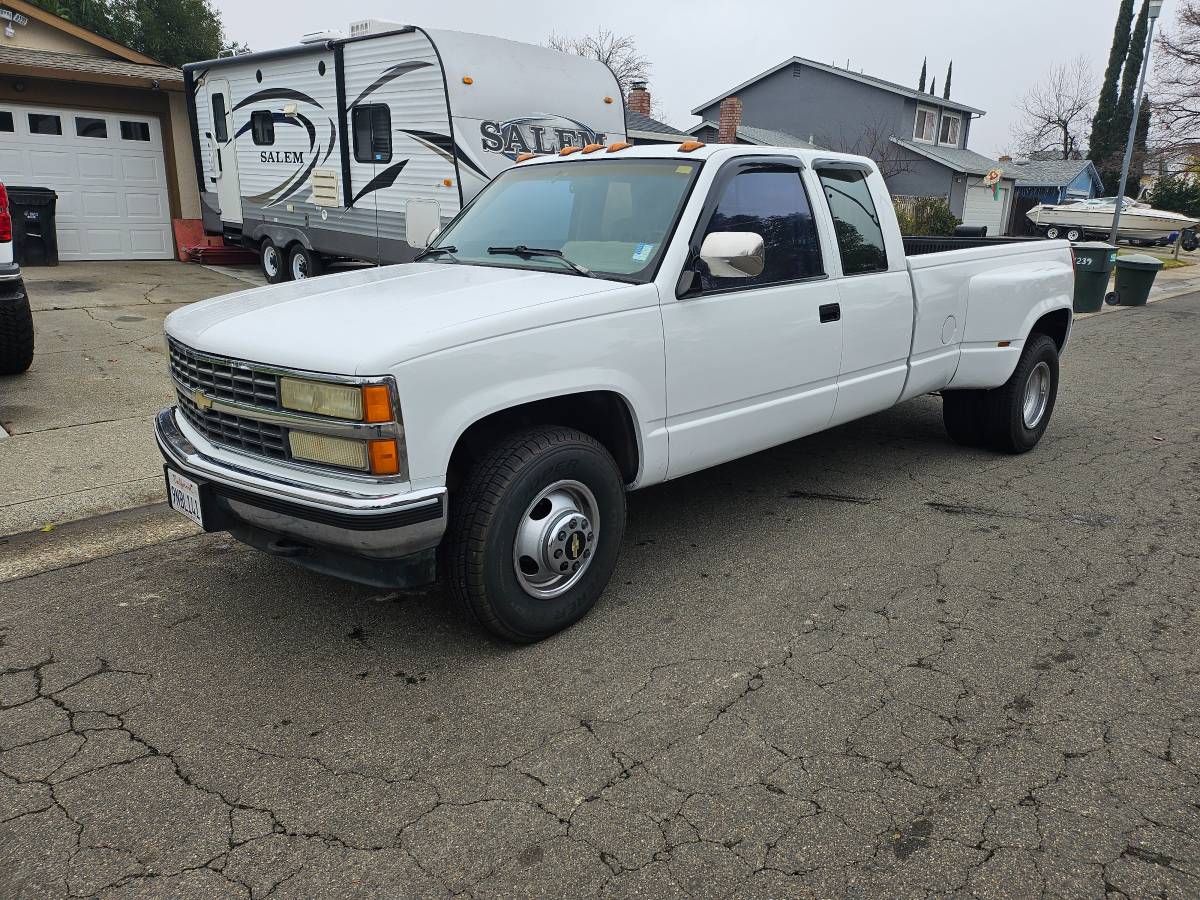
856	221
262	127
220	117
372	133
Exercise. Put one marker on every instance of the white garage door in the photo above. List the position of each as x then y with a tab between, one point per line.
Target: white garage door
985	207
108	171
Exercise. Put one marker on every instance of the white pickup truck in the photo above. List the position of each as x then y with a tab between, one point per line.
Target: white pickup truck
594	322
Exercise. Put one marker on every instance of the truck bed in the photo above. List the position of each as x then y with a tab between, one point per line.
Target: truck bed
918	246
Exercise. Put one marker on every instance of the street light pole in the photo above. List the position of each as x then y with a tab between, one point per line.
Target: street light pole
1152	14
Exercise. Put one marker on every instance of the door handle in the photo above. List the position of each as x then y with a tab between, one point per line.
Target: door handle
831	312
220	166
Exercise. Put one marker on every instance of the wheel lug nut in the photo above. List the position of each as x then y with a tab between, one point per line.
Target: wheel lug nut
589	537
562	535
572	524
558	554
587	553
575	567
563	567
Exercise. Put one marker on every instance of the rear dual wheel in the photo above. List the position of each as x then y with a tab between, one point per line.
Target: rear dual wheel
535	532
1013	417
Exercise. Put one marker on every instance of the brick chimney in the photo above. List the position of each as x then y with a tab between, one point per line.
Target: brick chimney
639	98
731	118
1004	159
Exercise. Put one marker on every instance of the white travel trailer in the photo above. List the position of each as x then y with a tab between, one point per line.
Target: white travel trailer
363	147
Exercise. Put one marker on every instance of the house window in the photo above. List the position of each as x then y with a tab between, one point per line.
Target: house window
926	127
44	123
950	128
856	221
135	131
6	121
91	128
771	202
262	127
372	133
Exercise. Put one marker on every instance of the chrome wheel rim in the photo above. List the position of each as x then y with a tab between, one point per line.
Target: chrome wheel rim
1037	395
1052	233
556	539
299	266
271	261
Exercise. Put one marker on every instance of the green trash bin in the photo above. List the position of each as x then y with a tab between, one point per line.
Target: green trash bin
1135	277
1093	267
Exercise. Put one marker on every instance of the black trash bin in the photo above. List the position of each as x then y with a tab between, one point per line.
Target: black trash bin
1135	277
35	241
1093	267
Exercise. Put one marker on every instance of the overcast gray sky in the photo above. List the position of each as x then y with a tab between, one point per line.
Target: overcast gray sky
700	48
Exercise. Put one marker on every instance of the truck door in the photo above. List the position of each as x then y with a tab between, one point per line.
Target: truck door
875	292
223	152
753	362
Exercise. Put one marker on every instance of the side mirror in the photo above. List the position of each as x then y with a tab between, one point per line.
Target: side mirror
733	254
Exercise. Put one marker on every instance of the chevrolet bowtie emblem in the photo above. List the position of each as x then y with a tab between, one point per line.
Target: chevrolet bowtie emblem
202	400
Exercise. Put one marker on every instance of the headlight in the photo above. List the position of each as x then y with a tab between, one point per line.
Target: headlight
371	403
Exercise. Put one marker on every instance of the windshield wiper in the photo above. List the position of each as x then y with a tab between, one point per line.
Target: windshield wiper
523	251
434	251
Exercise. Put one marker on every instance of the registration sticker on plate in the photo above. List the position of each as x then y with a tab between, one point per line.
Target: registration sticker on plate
183	495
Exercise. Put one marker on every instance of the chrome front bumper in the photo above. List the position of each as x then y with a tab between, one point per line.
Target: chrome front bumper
385	539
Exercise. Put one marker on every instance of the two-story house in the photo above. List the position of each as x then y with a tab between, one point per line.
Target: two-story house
918	140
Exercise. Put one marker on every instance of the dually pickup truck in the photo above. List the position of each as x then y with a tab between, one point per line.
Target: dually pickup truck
596	321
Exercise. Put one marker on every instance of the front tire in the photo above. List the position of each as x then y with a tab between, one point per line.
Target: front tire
535	532
273	265
16	335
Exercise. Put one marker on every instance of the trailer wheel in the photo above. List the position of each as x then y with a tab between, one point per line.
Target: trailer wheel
1052	233
1074	235
535	532
273	265
303	263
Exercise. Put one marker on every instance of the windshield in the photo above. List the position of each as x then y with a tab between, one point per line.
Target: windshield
610	216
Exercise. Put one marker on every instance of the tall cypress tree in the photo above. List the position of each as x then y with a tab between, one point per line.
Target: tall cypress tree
1137	168
1123	117
949	75
925	63
933	88
1100	146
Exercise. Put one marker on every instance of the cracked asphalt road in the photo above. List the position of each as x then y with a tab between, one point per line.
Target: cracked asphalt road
868	663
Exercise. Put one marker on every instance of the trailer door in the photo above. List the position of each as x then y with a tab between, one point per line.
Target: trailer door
370	155
223	153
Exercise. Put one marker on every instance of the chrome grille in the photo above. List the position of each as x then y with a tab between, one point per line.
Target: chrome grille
224	379
235	431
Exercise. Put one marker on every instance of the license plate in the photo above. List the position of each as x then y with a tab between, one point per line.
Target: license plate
183	495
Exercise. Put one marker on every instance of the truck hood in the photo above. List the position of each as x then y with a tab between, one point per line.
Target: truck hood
366	321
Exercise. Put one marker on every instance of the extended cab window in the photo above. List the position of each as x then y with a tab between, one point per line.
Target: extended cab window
262	127
772	203
856	221
372	133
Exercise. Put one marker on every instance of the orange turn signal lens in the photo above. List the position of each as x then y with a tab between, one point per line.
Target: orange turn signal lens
385	457
377	403
619	145
689	146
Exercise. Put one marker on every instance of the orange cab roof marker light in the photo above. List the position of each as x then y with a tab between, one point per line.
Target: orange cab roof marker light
619	145
689	146
592	148
521	157
567	151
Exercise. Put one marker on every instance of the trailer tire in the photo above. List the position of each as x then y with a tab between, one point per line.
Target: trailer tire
303	263
1017	413
538	499
274	266
1074	235
963	416
16	335
1052	233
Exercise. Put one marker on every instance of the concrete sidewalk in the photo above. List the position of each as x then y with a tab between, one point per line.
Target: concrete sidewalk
79	421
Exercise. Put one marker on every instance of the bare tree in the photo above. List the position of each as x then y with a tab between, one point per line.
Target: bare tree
1177	91
618	52
1057	112
873	141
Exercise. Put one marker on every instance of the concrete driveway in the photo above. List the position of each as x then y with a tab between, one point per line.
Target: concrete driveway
868	663
79	419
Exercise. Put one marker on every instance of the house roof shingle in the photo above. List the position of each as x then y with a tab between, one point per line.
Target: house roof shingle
766	137
88	65
1046	172
955	158
881	83
636	124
